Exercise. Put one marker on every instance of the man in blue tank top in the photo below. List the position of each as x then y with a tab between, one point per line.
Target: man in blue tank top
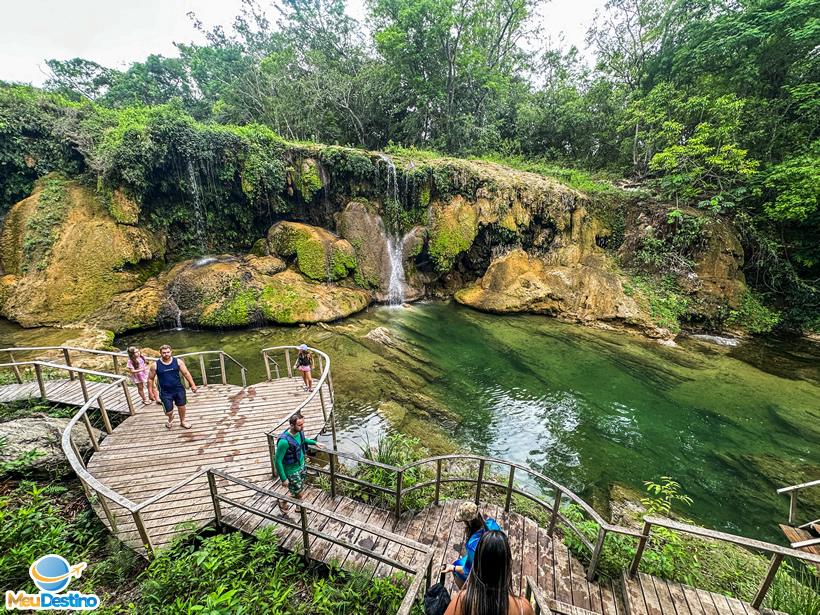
169	372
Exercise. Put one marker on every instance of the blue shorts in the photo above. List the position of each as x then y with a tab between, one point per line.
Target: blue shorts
168	399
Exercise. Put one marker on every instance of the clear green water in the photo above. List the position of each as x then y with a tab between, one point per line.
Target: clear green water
586	407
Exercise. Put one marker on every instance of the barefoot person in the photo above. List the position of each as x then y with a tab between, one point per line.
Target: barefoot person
169	370
304	363
138	370
291	454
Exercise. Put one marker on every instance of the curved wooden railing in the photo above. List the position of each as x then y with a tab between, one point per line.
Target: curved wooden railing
116	356
793	490
480	481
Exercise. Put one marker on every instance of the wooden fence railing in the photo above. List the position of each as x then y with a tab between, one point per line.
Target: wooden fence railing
793	490
482	480
119	358
421	574
322	388
777	552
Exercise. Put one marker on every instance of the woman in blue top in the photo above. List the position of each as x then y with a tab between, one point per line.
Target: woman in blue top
475	526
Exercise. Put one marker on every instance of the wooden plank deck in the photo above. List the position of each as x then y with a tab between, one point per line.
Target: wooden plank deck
650	595
69	392
142	458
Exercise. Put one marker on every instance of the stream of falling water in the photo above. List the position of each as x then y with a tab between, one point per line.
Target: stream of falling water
395	243
199	210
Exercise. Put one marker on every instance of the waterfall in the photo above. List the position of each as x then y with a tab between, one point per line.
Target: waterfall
199	209
395	242
395	252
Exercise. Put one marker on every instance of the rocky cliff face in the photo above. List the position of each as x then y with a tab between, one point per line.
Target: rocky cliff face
497	239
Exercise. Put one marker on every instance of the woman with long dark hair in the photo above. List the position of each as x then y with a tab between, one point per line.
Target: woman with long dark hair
489	586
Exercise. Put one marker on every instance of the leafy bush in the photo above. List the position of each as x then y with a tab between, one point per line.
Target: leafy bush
395	449
752	315
661	297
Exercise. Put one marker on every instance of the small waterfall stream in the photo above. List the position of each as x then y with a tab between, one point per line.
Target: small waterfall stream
199	209
395	242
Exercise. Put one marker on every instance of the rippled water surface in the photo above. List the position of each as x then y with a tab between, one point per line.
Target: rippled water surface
586	407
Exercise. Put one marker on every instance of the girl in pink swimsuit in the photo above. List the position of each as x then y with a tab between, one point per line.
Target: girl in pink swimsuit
304	363
138	370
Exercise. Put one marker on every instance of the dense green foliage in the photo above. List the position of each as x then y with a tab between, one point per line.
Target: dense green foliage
713	104
209	573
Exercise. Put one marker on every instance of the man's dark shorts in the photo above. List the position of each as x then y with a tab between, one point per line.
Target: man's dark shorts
172	397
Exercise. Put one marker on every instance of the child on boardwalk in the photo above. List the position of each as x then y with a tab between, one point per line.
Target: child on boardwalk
138	370
304	363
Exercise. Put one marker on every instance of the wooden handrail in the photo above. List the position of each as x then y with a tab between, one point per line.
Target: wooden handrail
777	552
793	490
323	377
533	593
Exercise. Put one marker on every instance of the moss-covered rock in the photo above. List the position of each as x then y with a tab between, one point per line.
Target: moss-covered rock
306	177
452	231
320	254
91	259
363	228
123	209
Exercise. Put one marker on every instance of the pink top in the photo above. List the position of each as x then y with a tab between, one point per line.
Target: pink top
142	365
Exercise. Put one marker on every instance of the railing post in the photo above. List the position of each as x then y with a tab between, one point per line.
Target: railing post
112	520
222	368
202	370
67	357
764	587
399	481
38	369
480	478
287	360
322	402
272	452
146	539
792	507
305	535
333	428
116	360
509	489
636	562
554	517
243	374
81	377
128	399
90	431
438	480
429	571
16	369
332	457
267	363
215	498
596	553
76	452
104	413
330	388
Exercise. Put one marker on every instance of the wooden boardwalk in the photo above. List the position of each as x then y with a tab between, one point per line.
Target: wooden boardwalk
143	458
70	392
558	574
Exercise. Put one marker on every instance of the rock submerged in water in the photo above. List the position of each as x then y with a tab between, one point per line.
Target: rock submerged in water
40	437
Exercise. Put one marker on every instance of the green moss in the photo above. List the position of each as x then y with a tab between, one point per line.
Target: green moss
424	196
307	180
43	228
280	303
317	258
453	231
752	315
236	311
260	248
661	297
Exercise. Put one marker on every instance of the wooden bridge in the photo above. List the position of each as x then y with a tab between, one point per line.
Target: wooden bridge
149	485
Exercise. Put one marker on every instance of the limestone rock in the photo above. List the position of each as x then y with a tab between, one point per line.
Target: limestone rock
364	229
320	254
42	434
518	282
92	259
